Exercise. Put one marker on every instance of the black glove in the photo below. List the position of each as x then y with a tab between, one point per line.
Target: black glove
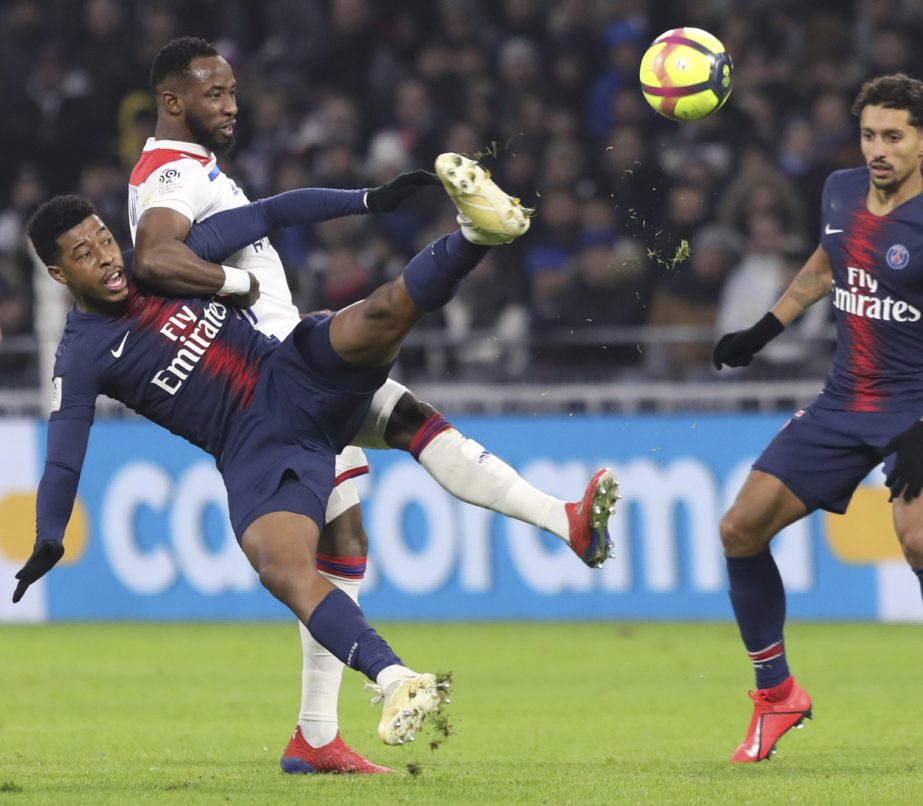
388	197
907	474
43	559
738	348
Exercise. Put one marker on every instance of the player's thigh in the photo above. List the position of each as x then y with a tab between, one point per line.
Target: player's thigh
763	507
280	544
908	523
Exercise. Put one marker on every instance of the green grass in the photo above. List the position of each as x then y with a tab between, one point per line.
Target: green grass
541	713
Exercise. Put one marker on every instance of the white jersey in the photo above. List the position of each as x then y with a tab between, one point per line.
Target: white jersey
185	177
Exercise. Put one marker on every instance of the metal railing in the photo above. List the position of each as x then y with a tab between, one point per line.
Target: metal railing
478	372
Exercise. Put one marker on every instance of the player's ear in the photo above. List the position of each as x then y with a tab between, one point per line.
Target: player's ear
56	274
171	102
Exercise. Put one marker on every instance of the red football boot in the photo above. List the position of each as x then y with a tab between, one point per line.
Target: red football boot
588	519
772	718
337	756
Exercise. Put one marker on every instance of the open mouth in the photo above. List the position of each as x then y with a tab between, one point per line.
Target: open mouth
881	170
227	131
115	281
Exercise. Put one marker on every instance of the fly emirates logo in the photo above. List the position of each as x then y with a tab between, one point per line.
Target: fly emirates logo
196	336
860	300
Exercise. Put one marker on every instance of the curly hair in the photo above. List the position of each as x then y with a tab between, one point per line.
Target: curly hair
895	91
175	57
53	219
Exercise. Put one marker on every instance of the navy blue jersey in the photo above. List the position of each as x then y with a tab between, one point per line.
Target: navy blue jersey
188	364
877	298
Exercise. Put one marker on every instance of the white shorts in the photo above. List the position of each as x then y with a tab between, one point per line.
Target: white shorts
352	461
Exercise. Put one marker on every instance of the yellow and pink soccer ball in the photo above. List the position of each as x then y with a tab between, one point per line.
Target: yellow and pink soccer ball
686	74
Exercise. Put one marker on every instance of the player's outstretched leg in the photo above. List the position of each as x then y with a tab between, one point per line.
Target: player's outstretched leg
370	333
588	519
775	712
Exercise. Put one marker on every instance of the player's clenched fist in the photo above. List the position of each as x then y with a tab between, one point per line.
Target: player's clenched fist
44	557
248	299
906	477
738	348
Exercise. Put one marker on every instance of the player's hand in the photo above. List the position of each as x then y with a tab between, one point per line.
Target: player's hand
391	194
738	348
245	300
43	559
906	477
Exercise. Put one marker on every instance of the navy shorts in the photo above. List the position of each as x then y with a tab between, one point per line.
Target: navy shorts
281	451
822	455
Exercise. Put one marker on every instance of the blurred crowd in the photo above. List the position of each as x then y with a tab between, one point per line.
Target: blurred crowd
649	236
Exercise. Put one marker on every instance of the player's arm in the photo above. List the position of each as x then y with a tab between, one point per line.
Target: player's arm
68	434
812	283
224	233
164	262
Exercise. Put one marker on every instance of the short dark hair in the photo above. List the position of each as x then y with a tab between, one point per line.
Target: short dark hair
895	91
175	57
53	219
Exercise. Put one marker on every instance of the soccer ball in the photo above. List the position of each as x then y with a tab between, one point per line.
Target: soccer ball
686	74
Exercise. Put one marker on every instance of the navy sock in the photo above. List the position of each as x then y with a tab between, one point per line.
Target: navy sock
919	573
338	625
432	276
758	599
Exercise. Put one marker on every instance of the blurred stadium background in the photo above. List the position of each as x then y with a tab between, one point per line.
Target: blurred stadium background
587	342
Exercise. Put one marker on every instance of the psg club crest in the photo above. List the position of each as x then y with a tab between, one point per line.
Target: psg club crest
898	257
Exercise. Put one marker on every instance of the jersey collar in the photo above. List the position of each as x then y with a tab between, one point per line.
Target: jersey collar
178	145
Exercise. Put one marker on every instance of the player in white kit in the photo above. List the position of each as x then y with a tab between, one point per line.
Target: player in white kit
177	182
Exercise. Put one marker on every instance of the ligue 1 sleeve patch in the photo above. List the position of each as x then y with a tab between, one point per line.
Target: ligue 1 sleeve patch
56	390
169	181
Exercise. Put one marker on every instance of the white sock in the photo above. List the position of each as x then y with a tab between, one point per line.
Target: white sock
321	675
474	475
391	674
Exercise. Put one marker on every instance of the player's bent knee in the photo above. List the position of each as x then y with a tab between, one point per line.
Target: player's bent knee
912	545
738	538
406	420
345	535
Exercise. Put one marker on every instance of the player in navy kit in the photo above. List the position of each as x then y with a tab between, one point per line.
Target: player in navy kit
870	258
176	182
274	415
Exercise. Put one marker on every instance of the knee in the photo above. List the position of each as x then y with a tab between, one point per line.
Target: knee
345	535
406	420
738	537
285	577
912	545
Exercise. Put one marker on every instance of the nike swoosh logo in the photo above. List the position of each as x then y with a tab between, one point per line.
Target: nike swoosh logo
117	352
828	230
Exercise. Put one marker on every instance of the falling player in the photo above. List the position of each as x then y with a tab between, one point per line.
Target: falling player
870	257
176	183
272	414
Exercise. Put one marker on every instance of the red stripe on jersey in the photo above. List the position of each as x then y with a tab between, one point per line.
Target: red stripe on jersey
150	161
152	312
241	375
863	340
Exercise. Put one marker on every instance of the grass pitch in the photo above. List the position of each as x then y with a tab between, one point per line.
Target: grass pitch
541	713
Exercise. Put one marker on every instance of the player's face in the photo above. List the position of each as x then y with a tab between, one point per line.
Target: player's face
210	103
92	267
892	148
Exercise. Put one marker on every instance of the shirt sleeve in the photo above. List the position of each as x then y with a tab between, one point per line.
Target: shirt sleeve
224	233
73	408
182	185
